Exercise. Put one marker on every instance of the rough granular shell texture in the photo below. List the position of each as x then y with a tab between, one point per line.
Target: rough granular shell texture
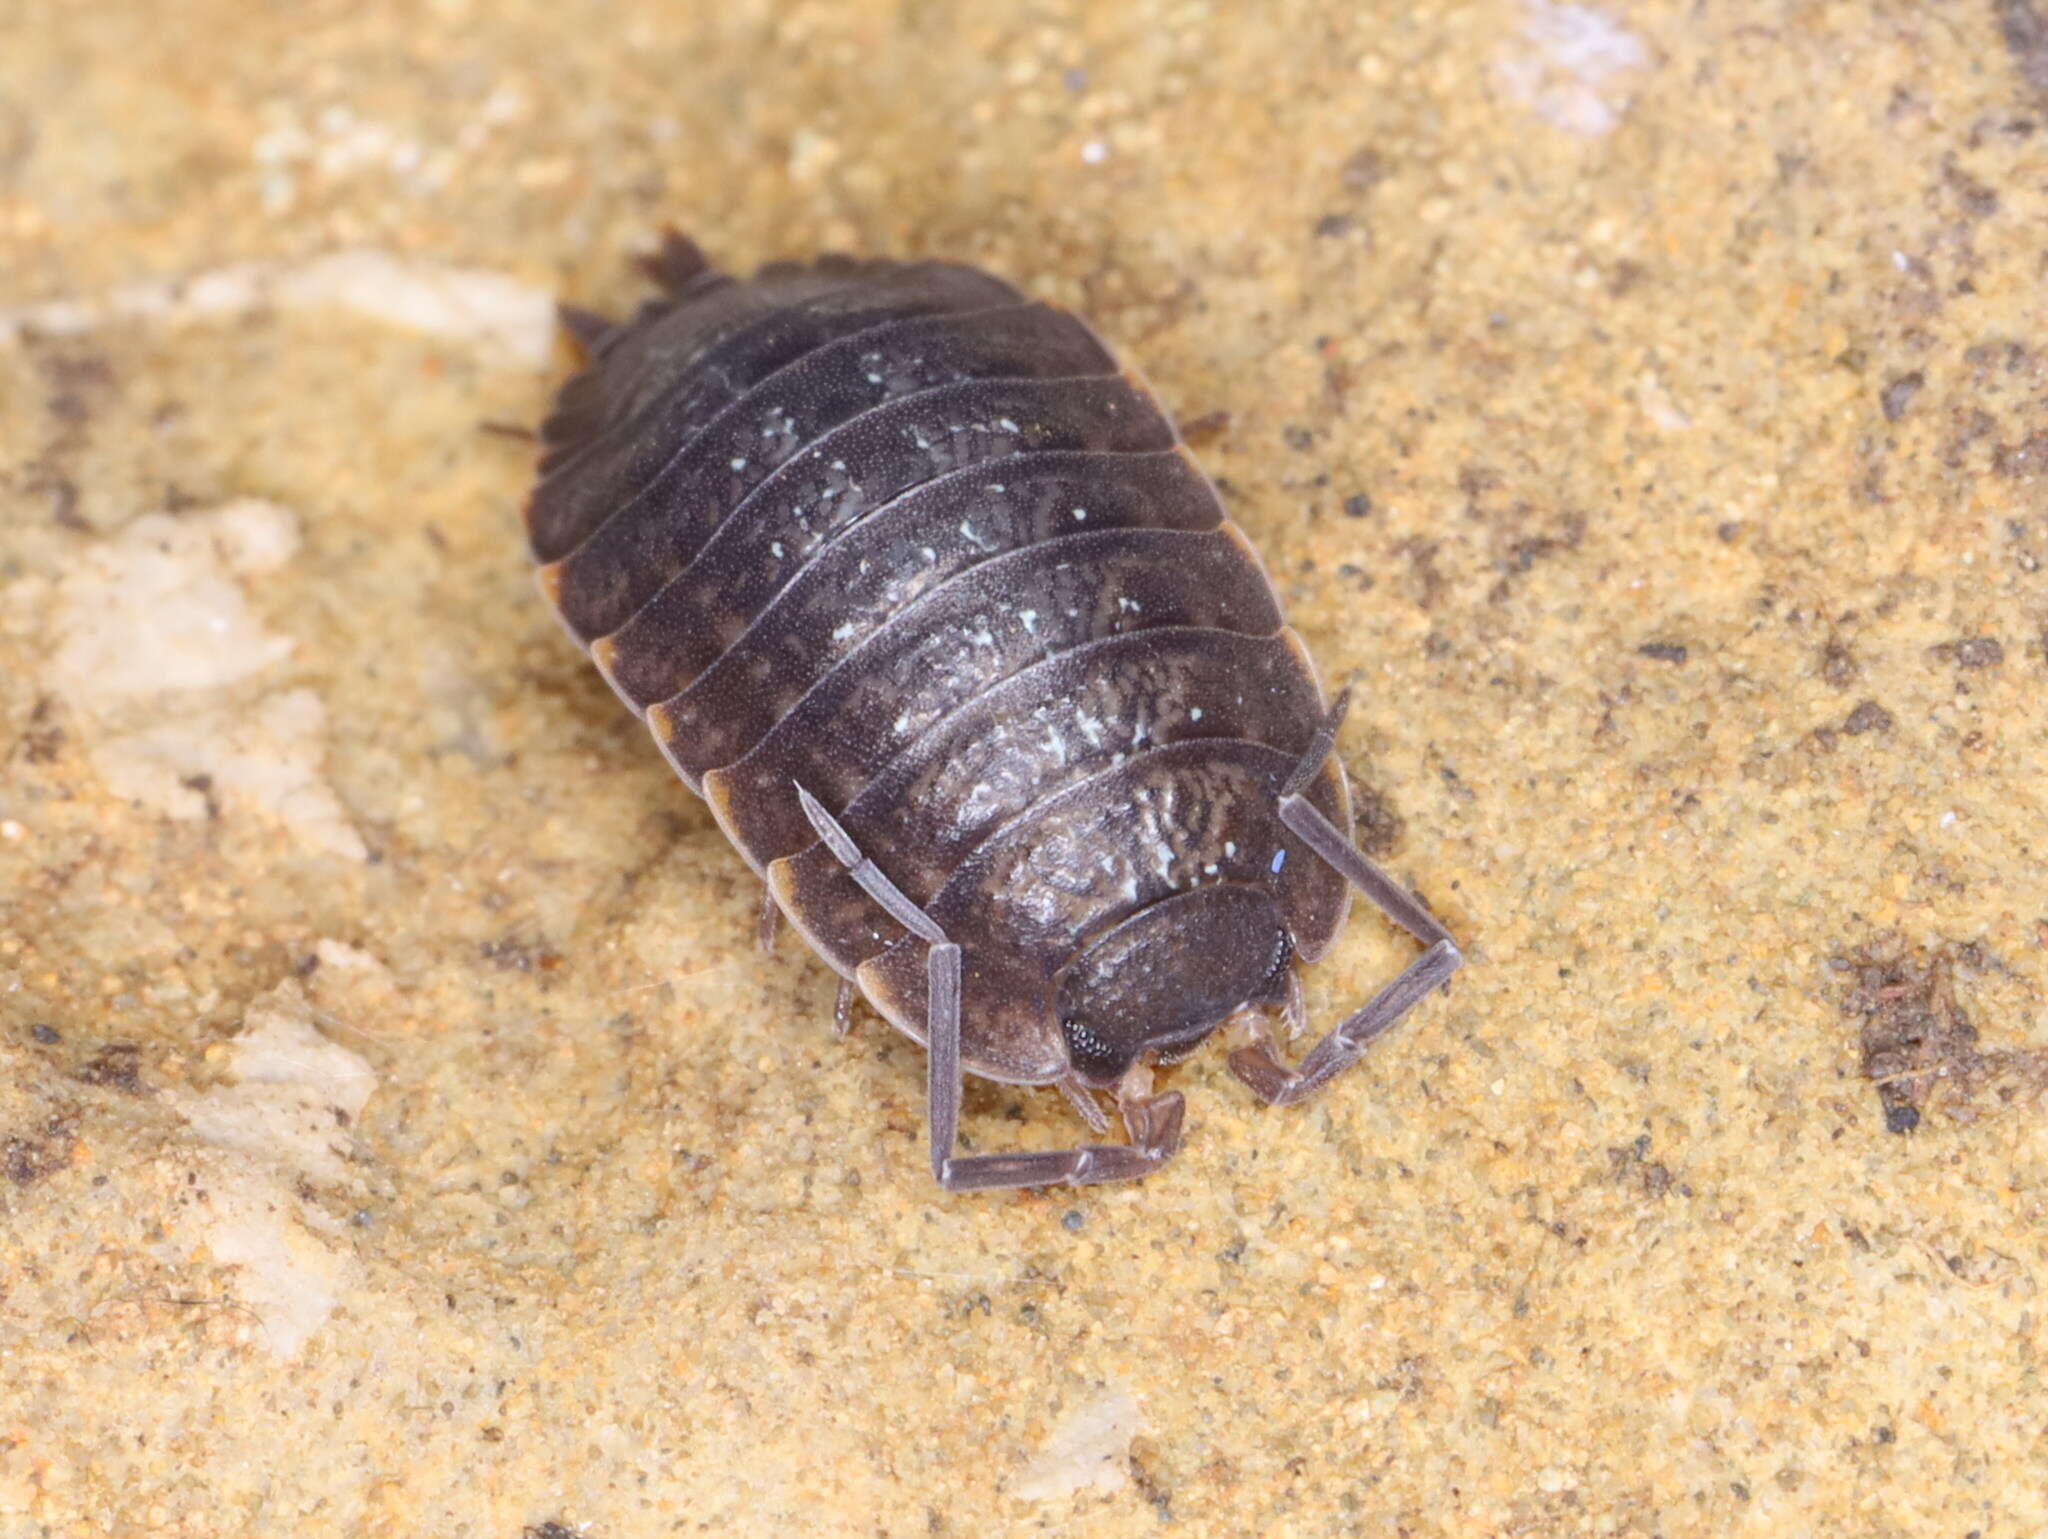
1642	406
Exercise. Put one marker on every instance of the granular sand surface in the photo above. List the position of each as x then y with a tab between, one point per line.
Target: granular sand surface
1643	405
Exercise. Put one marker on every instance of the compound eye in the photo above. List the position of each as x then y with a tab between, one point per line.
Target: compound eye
1097	1059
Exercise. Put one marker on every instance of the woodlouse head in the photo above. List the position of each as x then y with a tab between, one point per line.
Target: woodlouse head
1166	977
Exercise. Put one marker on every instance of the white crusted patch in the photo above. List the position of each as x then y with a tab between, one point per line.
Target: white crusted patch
281	1122
266	760
1569	67
1657	405
1090	1450
289	1084
154	632
157	607
496	314
344	958
282	1269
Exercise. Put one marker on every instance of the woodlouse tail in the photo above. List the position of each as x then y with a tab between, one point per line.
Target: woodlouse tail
586	326
584	407
678	265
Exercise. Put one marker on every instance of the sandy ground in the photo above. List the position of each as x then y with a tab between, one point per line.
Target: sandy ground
1644	404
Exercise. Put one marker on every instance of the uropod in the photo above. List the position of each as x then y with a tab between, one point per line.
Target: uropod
926	599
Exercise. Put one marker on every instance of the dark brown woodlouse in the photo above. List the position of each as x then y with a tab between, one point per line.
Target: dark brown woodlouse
926	599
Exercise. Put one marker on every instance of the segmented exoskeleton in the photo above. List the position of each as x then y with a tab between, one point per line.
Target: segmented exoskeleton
926	599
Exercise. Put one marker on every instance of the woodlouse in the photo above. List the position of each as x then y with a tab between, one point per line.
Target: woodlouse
927	600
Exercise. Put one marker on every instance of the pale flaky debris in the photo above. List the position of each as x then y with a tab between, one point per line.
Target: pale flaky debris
1570	65
159	606
280	1122
506	320
265	759
1090	1450
155	628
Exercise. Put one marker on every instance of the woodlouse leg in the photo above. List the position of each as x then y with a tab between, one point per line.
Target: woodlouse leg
1153	1122
1343	1047
1295	1011
769	925
1084	1103
842	1008
1255	1065
867	875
